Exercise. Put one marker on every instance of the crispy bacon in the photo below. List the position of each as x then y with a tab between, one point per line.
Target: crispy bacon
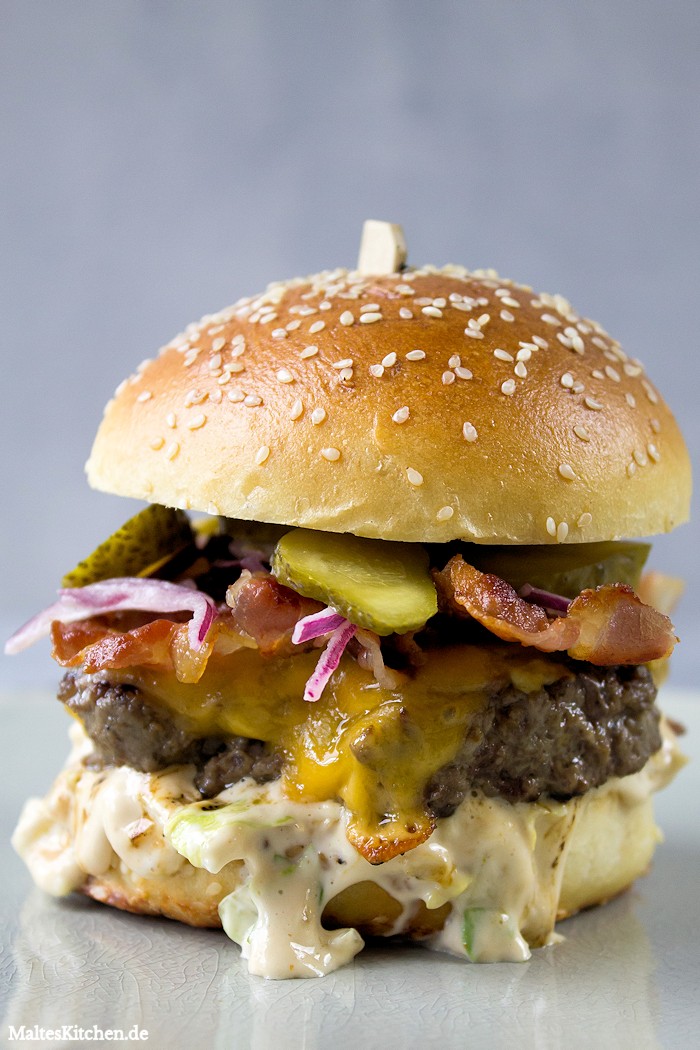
268	611
606	626
161	644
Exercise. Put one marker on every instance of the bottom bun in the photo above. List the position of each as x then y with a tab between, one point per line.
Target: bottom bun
284	882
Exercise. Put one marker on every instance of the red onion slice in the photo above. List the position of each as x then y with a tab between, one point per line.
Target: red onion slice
329	660
554	603
125	593
317	624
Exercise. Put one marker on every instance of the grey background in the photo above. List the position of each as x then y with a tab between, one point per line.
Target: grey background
160	159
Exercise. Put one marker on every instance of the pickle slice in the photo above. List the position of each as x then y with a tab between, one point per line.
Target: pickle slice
383	586
564	569
142	542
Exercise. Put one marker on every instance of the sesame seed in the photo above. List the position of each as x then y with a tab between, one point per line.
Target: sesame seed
506	315
325	305
293	325
280	333
508	300
455	361
431	311
565	341
145	395
268	316
550	319
612	373
157	443
377	371
317	416
595	406
469	432
520	370
308	351
631	468
524	354
508	387
540	342
283	375
502	355
632	370
331	454
218	344
581	433
196	422
347	318
346	374
465	307
262	454
415	355
317	326
389	360
578	387
474	333
655	426
401	414
345	363
584	520
567	380
369	308
235	395
483	320
447	378
171	420
463	373
631	399
216	396
370	318
297	409
650	392
414	476
597	374
566	471
551	526
445	513
423	301
405	313
440	302
639	458
172	450
653	452
252	401
562	531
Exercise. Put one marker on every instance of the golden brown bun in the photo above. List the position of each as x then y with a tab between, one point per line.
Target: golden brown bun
556	435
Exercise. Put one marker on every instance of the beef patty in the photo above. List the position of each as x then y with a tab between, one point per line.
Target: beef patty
560	740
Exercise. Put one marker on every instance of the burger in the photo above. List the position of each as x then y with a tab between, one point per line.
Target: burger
380	656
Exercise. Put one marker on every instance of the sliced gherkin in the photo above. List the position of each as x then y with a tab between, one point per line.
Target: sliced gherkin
150	537
383	586
565	569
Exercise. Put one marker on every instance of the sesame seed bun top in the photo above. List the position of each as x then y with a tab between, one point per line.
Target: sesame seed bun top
424	405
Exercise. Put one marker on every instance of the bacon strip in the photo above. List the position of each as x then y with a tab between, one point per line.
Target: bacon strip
268	611
606	626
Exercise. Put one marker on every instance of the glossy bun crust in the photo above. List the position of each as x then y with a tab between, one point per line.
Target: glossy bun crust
428	405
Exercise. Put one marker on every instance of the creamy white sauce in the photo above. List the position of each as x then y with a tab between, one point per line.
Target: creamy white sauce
499	865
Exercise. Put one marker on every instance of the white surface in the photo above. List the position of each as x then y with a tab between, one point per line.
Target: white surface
626	975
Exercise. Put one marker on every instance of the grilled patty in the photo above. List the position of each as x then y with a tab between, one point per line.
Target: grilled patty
559	741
